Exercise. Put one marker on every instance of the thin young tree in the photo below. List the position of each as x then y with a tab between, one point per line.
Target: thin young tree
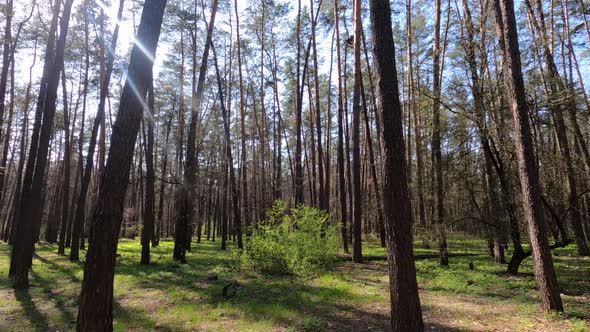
436	139
148	217
340	145
357	255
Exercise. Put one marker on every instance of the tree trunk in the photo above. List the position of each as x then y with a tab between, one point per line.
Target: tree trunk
340	147
436	141
66	173
357	255
528	173
162	191
31	202
322	197
556	88
190	172
78	221
148	218
244	167
229	155
96	297
298	111
406	313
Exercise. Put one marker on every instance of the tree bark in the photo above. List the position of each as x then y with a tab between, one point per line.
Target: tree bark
182	240
229	155
32	201
96	298
340	147
357	255
79	217
528	173
66	174
436	141
406	313
244	167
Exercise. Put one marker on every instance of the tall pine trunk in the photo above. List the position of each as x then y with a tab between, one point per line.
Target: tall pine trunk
406	313
528	172
96	297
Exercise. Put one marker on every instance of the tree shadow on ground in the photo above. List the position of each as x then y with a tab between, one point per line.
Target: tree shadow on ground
30	310
62	301
294	304
131	317
69	272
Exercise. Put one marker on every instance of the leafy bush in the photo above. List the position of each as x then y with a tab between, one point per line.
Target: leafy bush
299	241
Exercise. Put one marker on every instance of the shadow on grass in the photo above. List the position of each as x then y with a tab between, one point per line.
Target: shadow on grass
56	267
281	301
129	318
62	302
30	310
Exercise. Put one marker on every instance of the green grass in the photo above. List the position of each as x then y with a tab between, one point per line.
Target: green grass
169	296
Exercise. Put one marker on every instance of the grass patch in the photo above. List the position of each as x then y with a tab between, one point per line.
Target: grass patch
168	296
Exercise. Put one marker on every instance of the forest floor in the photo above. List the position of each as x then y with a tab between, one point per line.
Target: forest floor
167	296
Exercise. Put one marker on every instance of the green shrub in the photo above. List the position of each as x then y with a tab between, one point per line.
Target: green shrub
299	241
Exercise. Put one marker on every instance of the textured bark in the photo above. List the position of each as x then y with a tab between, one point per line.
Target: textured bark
528	173
340	144
406	313
96	298
357	255
29	222
436	140
556	88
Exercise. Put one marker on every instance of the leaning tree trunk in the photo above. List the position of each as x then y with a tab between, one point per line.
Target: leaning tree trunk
528	172
29	222
96	298
556	88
